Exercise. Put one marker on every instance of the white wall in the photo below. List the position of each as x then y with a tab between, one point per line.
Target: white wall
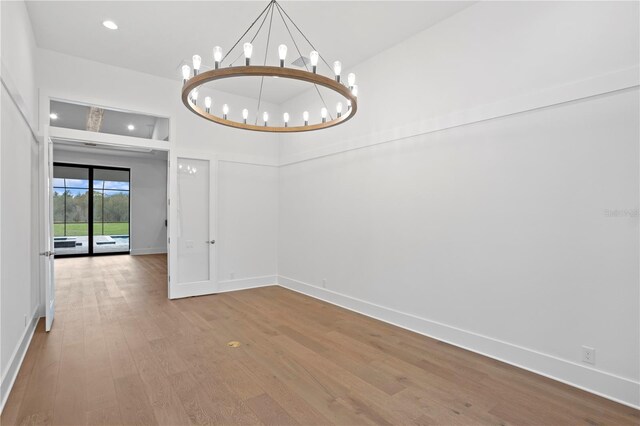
247	179
491	235
76	79
467	200
148	194
19	279
18	57
247	222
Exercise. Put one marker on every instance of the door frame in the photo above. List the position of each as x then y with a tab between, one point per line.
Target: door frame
90	207
176	290
46	250
125	142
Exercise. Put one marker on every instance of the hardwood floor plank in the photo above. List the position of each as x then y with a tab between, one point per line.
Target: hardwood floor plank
269	411
120	352
200	409
134	404
107	416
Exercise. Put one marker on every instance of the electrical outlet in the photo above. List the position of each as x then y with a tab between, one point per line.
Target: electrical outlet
588	355
324	283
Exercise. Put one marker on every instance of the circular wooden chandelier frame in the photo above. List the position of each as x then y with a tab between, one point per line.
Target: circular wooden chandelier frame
267	71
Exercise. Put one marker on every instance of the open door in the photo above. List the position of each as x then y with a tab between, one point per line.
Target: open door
47	252
192	239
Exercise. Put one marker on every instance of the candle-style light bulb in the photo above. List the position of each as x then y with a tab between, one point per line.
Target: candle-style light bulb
194	96
282	53
339	109
186	73
337	69
245	115
305	116
323	114
351	79
265	118
217	56
225	111
354	90
197	60
313	57
285	117
248	50
207	103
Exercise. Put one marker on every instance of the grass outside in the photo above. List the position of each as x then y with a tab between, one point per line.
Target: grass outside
80	229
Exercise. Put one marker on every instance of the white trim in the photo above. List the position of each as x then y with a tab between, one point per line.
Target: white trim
607	385
152	250
18	101
248	159
247	283
202	288
9	378
82	136
600	85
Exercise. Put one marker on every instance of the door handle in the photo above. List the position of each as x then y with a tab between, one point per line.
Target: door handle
47	253
211	242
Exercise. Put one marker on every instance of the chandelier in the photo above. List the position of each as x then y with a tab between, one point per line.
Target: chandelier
194	79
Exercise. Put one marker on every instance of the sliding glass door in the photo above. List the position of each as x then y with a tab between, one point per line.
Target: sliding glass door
70	210
111	205
91	210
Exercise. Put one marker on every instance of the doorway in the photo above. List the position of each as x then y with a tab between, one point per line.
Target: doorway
91	210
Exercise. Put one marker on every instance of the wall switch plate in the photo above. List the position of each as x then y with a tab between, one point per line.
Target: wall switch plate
588	355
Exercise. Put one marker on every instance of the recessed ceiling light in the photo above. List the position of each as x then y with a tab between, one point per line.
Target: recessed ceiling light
110	24
131	127
53	116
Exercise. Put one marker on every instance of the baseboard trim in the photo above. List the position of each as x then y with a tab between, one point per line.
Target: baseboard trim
9	379
247	283
157	250
607	385
205	289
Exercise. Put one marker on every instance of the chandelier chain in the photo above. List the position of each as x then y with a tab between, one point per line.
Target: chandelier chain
252	39
303	61
266	54
248	29
301	33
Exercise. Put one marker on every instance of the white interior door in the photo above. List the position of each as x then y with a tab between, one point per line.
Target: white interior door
192	240
47	251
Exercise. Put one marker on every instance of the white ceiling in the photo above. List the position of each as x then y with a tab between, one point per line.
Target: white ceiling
158	37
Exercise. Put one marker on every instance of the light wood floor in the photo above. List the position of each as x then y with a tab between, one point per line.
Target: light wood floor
121	353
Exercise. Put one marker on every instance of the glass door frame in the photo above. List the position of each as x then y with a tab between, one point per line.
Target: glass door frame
90	229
